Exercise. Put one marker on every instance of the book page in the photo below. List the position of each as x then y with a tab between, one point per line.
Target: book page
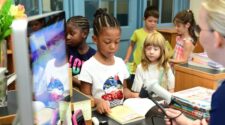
140	105
124	114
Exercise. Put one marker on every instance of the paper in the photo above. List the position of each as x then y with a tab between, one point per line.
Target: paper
140	105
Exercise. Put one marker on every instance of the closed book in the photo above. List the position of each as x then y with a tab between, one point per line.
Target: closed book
197	97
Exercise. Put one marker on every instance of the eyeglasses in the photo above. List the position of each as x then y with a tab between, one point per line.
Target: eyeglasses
197	30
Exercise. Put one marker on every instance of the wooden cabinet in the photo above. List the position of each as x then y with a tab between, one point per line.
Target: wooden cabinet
187	76
170	35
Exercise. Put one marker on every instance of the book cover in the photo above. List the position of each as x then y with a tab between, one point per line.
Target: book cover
197	97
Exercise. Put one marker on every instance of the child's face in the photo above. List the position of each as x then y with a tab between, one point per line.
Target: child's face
152	53
74	35
36	25
108	42
151	23
181	28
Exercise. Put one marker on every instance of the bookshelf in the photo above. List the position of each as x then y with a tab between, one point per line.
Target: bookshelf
10	60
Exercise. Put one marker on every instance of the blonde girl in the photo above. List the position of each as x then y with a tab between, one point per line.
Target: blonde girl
154	65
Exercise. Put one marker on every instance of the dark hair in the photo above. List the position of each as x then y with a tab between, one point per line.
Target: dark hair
102	20
184	17
151	11
79	21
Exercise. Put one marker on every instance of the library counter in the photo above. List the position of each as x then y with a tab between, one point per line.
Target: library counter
188	76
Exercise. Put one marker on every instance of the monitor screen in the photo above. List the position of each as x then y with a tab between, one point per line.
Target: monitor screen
48	63
41	68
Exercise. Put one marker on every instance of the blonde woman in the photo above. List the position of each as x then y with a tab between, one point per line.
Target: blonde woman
211	31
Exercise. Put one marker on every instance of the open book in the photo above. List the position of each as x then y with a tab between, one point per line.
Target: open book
133	109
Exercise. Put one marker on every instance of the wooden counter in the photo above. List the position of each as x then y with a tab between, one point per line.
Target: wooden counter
188	76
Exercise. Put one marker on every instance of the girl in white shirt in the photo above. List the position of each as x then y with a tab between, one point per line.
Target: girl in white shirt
104	75
154	66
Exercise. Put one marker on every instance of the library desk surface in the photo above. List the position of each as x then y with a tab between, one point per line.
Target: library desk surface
188	76
7	114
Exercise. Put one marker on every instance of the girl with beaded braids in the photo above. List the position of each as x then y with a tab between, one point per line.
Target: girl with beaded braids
104	75
185	41
77	30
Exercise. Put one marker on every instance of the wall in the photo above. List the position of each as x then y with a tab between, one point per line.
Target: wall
195	6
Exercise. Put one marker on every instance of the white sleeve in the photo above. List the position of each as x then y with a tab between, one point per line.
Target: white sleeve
171	79
138	80
126	72
85	74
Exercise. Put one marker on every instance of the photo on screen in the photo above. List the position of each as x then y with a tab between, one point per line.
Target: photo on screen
48	62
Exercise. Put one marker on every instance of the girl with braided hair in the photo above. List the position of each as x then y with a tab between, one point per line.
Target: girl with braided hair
104	75
78	50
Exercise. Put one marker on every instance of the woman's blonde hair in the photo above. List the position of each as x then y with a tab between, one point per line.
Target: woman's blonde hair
156	39
215	15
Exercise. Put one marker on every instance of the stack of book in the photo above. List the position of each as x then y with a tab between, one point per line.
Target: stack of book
194	102
202	60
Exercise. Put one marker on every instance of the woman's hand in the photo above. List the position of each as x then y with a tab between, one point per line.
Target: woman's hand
178	118
103	106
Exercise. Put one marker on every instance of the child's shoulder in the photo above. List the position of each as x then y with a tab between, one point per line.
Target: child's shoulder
118	59
189	40
139	30
91	50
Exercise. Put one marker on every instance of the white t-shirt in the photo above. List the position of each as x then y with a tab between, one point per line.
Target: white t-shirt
152	74
106	80
55	84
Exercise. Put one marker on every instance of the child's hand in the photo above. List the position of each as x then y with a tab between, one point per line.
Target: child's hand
103	106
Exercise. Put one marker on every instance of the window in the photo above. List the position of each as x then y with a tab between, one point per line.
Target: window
165	8
34	7
168	9
117	8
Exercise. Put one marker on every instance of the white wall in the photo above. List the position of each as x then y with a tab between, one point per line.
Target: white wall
195	6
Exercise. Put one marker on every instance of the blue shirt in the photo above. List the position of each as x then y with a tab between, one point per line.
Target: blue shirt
217	113
76	59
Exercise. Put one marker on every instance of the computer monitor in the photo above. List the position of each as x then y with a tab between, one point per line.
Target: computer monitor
41	67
